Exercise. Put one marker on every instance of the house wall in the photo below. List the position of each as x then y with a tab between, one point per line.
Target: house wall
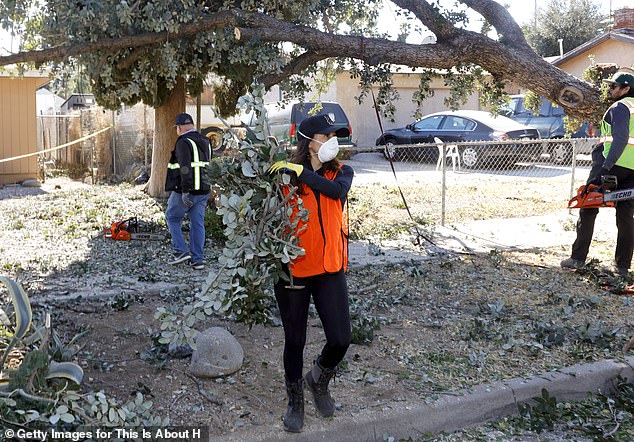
18	128
608	51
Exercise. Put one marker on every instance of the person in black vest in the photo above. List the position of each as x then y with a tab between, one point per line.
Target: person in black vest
187	180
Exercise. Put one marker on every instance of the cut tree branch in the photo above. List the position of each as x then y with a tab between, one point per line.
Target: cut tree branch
523	66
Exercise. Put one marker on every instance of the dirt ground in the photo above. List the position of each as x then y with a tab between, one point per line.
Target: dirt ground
439	325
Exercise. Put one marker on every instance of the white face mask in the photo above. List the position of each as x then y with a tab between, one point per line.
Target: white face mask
328	150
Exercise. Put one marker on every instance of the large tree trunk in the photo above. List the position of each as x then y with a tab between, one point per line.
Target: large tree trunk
164	138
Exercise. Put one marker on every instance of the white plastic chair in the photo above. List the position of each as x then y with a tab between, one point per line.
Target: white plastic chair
451	151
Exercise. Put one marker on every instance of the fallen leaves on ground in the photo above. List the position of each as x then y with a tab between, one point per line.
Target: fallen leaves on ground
439	325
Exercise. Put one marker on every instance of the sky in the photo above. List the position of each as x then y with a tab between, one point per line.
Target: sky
523	11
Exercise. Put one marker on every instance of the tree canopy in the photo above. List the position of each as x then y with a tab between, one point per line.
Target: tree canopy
573	21
135	51
155	50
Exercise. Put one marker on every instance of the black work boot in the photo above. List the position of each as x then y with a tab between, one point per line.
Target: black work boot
317	380
294	417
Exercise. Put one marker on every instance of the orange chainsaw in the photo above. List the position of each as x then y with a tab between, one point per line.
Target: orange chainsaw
127	230
594	196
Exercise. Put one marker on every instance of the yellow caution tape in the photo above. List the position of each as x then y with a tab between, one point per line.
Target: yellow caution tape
4	160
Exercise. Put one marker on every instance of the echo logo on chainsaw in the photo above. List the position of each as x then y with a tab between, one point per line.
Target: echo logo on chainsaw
619	195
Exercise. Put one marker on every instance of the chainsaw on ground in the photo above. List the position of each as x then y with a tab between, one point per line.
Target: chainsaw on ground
594	196
127	230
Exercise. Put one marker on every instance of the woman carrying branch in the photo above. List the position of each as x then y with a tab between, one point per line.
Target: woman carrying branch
323	184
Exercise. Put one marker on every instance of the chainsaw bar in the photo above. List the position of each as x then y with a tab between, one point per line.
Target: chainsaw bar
594	197
147	236
619	195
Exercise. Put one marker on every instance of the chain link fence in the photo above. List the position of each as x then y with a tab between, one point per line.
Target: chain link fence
443	183
121	151
452	183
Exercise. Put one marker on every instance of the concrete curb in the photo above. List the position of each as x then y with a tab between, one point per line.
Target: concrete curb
452	412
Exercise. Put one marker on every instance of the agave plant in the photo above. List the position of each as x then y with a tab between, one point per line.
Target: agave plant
13	335
31	394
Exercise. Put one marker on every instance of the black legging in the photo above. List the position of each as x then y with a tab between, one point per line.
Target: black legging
330	295
624	223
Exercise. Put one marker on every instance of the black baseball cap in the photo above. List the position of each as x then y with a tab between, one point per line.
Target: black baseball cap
182	119
621	78
320	124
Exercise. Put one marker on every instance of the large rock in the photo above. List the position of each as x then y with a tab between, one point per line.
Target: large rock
217	354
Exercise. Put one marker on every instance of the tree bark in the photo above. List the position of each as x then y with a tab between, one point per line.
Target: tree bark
165	138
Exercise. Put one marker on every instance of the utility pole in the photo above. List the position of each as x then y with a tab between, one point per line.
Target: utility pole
535	16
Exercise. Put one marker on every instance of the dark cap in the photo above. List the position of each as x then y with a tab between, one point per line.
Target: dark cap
320	124
622	78
183	119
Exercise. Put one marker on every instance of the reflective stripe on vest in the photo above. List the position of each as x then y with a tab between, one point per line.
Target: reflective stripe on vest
627	157
196	164
609	139
324	236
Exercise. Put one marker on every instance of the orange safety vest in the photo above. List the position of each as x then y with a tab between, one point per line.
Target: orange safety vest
324	236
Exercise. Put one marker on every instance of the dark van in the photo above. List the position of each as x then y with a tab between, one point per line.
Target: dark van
285	120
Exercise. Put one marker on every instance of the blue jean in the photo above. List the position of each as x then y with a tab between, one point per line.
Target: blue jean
174	215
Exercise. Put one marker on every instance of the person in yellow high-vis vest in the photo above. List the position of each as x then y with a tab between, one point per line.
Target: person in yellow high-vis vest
188	182
614	157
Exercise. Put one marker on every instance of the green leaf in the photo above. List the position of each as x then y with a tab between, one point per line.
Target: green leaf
65	370
247	169
67	417
8	402
36	336
23	314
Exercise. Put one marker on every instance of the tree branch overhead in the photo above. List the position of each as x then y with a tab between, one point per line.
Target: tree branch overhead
510	58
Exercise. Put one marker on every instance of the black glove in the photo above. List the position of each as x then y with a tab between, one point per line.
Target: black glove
596	179
187	200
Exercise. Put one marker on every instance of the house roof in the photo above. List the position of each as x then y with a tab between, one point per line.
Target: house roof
71	96
625	35
13	71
